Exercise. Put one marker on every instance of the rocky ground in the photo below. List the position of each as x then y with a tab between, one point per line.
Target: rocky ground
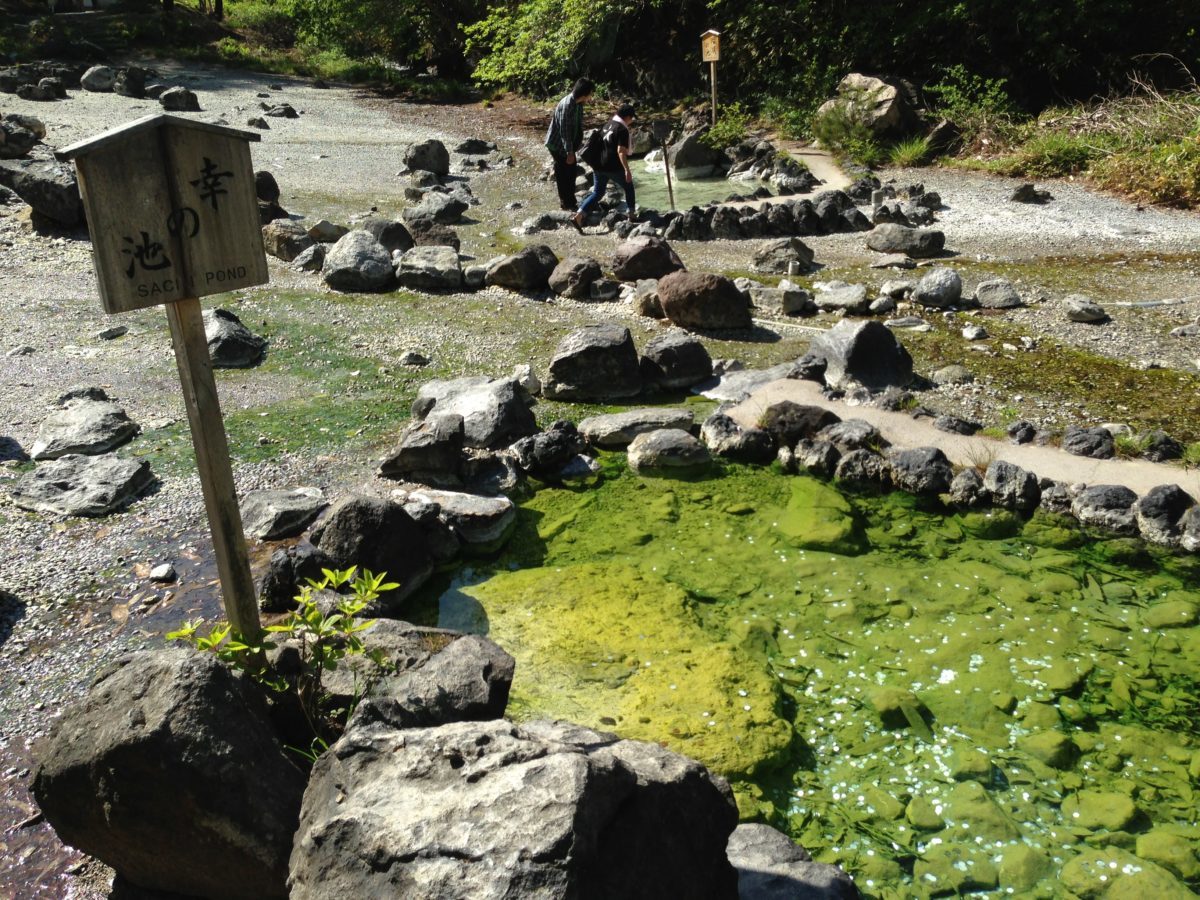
75	593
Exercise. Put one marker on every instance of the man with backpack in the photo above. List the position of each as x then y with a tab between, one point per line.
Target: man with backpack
612	163
564	136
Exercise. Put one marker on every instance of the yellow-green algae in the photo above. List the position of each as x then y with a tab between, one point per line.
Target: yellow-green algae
762	623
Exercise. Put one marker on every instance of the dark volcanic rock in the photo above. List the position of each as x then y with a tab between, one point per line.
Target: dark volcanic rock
1108	506
596	362
789	422
645	257
495	412
675	359
526	270
865	353
1095	443
923	470
168	771
703	301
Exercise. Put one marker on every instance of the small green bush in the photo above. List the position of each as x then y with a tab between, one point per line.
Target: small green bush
910	152
791	120
845	135
733	126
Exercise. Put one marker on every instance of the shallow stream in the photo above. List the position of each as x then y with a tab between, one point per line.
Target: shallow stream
937	702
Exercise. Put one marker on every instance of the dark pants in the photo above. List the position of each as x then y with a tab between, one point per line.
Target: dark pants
600	185
564	178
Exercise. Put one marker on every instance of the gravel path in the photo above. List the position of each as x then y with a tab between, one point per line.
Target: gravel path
74	593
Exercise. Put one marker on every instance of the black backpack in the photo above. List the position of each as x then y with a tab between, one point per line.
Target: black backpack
593	148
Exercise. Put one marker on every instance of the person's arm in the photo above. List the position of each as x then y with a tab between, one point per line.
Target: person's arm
569	124
623	156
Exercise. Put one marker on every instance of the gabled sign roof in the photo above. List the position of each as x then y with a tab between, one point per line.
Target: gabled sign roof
145	124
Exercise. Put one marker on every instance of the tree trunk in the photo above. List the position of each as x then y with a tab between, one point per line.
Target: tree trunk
219	10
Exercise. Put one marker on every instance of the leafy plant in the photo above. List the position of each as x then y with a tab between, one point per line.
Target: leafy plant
322	636
1130	446
733	126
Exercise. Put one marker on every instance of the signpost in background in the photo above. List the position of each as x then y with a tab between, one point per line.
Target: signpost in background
173	216
710	52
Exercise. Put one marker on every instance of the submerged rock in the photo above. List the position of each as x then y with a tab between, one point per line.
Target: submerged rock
771	867
667	449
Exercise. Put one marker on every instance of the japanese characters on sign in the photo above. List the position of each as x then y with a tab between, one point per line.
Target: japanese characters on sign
172	211
710	46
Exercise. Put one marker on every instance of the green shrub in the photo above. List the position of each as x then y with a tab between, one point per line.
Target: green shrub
270	21
791	120
845	135
733	126
1054	154
910	152
980	107
322	638
1168	174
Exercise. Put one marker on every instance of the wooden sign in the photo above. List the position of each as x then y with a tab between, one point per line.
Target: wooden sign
710	46
172	211
173	215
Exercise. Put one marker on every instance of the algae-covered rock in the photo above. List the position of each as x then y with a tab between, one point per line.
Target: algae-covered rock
898	708
953	868
881	804
1171	614
971	764
968	802
1116	874
1022	866
613	647
1100	809
1053	748
923	815
1172	851
818	517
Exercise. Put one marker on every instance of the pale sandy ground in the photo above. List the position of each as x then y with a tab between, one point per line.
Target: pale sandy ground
904	431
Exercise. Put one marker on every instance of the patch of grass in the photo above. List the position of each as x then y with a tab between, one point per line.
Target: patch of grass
1112	390
1130	446
844	135
909	153
1053	154
1191	456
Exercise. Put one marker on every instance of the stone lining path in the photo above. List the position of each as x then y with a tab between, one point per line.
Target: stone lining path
904	431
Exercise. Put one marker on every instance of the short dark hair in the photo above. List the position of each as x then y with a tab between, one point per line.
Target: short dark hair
626	111
583	87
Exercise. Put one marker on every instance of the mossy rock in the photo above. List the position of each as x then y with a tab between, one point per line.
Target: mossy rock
1052	748
612	647
970	764
818	517
897	708
968	802
1108	810
1171	614
954	868
923	815
1022	866
1172	851
1115	874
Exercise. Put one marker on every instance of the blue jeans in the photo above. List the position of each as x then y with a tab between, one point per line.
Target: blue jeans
600	185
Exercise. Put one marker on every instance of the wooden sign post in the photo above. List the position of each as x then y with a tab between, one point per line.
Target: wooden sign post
173	215
710	52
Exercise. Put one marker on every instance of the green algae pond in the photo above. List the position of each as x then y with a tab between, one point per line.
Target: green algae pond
942	703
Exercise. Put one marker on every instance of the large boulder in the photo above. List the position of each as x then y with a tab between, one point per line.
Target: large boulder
168	772
675	359
645	257
444	209
285	239
272	515
597	362
778	257
231	345
1010	486
863	353
15	139
615	431
882	107
771	867
99	79
692	157
668	450
997	293
358	262
546	454
725	437
703	301
922	470
48	187
430	269
494	810
391	234
495	412
429	451
1107	506
179	99
1094	443
83	485
914	242
88	425
940	288
429	676
788	422
428	156
481	523
574	276
380	536
526	270
838	296
1160	513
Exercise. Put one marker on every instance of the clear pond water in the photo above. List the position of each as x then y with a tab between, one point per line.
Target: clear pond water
936	702
650	184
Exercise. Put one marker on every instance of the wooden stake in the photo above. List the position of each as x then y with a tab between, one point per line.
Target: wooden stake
667	163
212	461
712	75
